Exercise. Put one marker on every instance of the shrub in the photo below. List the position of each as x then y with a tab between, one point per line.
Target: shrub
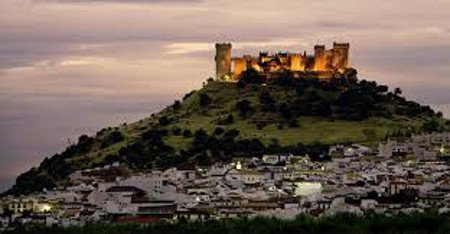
164	121
205	100
218	131
176	131
176	105
187	133
244	108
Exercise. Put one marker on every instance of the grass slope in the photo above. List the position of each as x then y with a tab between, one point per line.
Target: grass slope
311	130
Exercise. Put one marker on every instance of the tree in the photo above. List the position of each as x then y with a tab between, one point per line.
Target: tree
164	121
229	119
83	138
250	76
397	91
432	125
351	75
176	131
285	111
285	79
382	88
186	96
267	102
205	100
32	181
187	133
112	138
200	137
136	156
218	131
244	108
85	143
233	133
176	105
293	123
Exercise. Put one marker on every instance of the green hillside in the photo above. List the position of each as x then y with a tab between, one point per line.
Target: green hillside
222	120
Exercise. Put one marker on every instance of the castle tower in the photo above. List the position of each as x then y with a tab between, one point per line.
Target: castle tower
340	56
296	62
223	60
240	65
319	58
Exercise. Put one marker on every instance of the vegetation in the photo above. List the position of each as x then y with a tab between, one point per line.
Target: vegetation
252	117
343	223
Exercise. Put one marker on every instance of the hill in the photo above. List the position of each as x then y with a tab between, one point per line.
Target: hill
250	118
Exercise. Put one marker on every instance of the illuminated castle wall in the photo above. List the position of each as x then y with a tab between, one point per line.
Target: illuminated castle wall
324	63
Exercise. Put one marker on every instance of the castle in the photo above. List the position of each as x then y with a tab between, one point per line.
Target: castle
324	64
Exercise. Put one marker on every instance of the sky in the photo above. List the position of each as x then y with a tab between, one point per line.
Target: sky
69	67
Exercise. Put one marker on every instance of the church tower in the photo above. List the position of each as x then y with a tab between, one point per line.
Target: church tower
223	60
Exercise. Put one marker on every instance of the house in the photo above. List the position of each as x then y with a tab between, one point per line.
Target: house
4	222
424	154
182	173
353	150
251	177
307	189
151	183
65	195
33	205
278	158
21	205
129	200
108	173
218	170
393	148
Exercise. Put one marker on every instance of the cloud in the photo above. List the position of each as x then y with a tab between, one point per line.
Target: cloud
436	30
195	47
122	1
351	25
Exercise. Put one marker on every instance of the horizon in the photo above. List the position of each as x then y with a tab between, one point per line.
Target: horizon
69	67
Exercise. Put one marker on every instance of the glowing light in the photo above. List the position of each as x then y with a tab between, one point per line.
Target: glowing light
45	208
238	166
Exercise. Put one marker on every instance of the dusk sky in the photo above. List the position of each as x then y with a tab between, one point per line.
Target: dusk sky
69	67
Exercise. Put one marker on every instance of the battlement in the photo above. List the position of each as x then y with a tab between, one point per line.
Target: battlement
324	63
341	45
223	45
319	47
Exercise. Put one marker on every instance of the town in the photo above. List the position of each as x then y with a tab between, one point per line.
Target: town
400	175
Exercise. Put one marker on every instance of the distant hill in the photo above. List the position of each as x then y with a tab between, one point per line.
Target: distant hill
248	118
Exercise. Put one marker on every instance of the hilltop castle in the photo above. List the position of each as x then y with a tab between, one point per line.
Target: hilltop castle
324	64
